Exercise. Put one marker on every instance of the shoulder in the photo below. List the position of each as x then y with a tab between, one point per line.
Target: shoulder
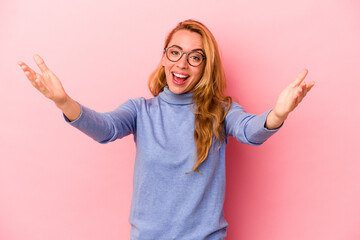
142	103
236	115
235	108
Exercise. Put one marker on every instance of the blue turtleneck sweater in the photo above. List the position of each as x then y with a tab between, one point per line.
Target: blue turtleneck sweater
166	202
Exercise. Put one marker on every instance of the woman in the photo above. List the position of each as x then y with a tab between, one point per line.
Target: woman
180	134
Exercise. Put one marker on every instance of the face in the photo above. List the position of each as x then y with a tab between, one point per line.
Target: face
181	77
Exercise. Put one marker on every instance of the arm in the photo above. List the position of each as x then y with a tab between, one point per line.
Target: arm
245	127
101	127
109	126
50	86
288	100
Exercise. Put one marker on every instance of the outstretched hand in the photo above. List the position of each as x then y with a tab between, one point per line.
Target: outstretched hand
50	86
46	82
288	100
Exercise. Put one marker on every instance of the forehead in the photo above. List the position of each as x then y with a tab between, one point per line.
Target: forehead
187	40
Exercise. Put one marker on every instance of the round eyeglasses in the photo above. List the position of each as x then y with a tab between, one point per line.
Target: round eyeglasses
194	58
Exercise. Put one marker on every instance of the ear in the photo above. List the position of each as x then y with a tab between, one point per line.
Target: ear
163	59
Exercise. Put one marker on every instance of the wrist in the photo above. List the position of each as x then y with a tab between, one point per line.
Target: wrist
274	121
279	117
64	103
70	108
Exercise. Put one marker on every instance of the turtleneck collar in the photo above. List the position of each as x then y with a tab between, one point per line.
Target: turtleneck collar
179	99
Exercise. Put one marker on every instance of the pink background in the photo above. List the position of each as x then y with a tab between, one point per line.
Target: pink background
304	183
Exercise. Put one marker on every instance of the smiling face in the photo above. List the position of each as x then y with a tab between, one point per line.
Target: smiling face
181	77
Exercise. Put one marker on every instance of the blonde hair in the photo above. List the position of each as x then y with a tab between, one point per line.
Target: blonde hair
210	100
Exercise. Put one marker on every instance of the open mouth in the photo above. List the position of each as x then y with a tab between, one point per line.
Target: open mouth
179	78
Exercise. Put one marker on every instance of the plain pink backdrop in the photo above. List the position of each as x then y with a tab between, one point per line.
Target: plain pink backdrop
303	184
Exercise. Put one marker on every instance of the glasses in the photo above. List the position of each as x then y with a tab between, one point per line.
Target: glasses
194	58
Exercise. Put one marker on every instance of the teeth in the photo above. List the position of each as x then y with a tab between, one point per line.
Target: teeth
180	76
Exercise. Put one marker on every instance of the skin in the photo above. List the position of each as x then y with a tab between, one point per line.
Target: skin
188	41
50	86
288	100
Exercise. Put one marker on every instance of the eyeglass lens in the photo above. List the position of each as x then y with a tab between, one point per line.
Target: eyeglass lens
174	54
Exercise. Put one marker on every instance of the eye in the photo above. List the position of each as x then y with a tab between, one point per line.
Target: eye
195	57
174	52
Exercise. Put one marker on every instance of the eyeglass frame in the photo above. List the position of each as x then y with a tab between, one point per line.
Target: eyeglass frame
187	55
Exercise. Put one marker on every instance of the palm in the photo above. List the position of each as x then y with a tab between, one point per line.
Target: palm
292	95
46	82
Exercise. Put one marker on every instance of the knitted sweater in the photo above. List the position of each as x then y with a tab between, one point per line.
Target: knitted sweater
166	202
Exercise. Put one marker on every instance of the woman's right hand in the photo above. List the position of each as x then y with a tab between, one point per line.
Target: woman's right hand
50	86
46	82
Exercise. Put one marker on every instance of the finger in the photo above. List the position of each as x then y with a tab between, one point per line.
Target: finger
300	77
41	64
37	81
303	87
40	85
309	86
27	69
299	92
31	77
299	96
302	93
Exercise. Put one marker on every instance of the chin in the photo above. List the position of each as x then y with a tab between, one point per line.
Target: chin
177	90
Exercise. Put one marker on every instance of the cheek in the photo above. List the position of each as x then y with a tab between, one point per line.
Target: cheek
200	73
166	64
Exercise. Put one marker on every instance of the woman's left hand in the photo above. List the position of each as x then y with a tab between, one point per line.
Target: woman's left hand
288	100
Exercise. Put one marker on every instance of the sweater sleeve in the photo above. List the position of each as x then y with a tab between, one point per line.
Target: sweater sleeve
107	127
247	128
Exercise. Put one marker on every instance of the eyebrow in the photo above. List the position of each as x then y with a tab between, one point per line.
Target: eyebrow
194	50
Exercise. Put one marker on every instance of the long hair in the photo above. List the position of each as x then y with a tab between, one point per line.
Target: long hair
211	103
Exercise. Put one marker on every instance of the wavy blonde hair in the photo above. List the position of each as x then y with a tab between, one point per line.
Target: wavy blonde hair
210	100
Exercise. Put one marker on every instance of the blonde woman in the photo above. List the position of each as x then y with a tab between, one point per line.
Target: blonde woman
180	134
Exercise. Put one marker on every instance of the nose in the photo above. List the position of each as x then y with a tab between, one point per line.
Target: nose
182	62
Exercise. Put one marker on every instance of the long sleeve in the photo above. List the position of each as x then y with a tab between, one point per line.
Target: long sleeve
107	127
245	127
167	203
